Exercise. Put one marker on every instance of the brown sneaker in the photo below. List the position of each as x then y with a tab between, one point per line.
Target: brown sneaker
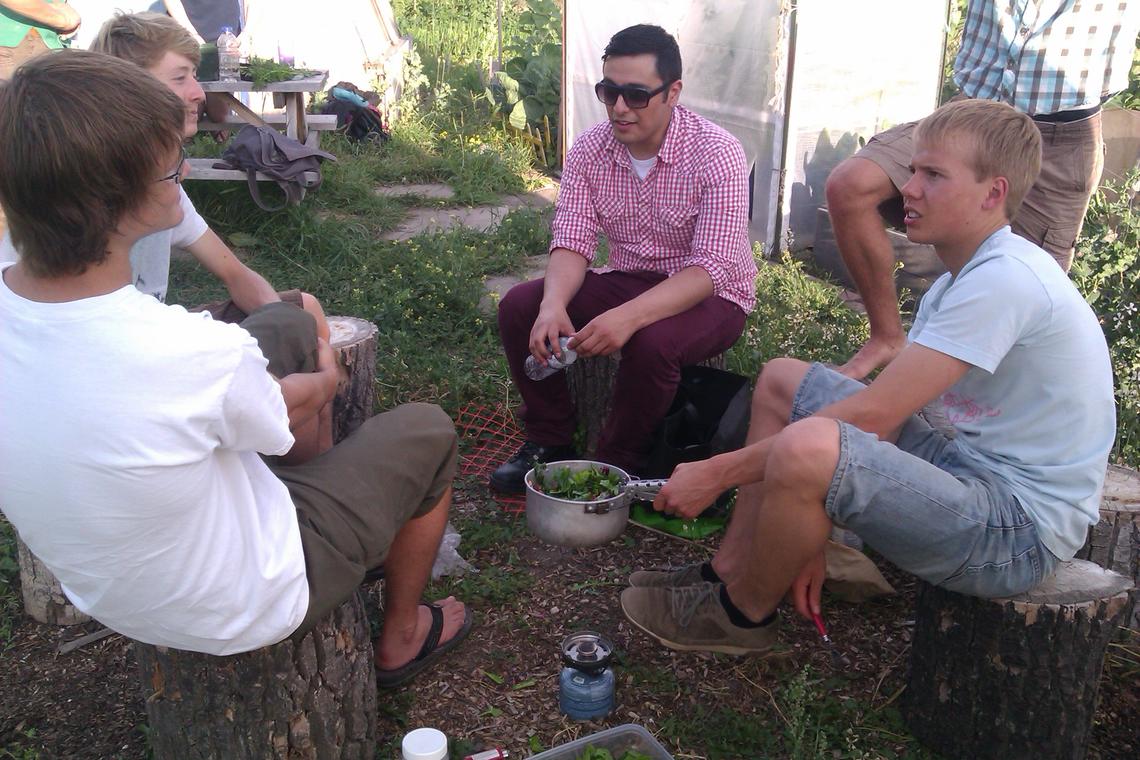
691	618
689	575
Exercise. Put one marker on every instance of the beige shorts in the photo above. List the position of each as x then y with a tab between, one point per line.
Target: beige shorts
352	500
1054	208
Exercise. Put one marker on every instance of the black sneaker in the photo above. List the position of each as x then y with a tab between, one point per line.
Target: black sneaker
510	476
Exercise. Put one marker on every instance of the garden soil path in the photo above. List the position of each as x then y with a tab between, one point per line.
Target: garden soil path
500	687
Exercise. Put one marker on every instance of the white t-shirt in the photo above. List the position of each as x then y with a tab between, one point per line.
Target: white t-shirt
129	440
1036	408
150	255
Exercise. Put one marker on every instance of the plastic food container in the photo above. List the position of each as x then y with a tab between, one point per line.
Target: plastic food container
616	740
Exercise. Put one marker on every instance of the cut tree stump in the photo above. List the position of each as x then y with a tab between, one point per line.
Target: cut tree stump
1114	542
354	341
591	383
1015	677
314	699
44	600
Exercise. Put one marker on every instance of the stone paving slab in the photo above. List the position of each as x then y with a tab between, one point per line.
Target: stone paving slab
421	221
497	286
432	190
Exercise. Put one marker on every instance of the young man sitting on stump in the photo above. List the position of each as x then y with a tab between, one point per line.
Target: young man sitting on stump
669	190
1019	362
133	433
165	49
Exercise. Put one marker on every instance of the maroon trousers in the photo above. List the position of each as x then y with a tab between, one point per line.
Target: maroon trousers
650	362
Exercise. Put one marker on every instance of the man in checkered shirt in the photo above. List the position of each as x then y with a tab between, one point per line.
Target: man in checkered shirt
1055	60
669	190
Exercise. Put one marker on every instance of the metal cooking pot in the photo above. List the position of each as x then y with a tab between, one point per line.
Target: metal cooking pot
583	523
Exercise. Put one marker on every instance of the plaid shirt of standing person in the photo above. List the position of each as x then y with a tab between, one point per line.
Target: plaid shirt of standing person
690	210
1046	56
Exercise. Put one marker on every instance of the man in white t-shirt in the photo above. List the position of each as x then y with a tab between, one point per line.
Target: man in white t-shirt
1018	360
133	433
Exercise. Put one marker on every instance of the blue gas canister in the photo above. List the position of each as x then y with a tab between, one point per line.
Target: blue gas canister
586	683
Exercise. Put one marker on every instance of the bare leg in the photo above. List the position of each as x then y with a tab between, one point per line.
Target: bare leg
790	525
771	407
406	571
855	190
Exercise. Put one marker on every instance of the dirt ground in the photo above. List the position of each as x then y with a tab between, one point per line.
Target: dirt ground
500	688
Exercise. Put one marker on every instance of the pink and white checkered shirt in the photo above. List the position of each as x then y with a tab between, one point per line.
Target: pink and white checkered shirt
690	210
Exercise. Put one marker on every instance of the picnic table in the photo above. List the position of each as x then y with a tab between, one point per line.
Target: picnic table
290	94
297	123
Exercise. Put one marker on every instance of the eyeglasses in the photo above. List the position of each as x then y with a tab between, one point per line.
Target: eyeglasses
176	175
634	97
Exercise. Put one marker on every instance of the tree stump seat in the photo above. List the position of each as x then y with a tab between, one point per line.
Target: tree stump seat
311	699
1014	677
591	382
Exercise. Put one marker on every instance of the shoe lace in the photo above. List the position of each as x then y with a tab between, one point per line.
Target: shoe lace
686	600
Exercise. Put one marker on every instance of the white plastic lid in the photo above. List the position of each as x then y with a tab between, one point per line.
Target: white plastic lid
424	744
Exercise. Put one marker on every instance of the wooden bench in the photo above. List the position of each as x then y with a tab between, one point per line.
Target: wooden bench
203	168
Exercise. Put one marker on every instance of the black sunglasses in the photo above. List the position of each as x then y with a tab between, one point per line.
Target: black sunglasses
634	97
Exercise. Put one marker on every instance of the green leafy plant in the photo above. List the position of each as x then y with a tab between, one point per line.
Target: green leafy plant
795	315
1105	271
589	484
601	753
529	86
263	71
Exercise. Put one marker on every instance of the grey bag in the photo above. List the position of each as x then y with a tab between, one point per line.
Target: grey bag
264	149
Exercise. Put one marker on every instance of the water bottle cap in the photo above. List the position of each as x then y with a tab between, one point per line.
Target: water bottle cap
227	30
424	744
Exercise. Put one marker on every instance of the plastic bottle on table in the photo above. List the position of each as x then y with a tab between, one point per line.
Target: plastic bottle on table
536	371
229	55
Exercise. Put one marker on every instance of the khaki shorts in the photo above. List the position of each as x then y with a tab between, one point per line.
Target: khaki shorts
1054	208
352	500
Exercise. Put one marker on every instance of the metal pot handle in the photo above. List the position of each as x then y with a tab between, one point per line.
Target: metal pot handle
633	490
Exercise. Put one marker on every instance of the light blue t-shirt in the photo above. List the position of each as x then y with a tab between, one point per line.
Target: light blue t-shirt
1036	408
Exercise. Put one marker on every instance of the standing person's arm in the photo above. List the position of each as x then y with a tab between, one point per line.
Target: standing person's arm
59	17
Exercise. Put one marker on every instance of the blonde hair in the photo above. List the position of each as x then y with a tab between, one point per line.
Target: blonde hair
144	38
1000	141
83	137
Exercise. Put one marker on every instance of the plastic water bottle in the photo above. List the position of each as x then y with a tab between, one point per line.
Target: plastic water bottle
586	684
229	55
536	371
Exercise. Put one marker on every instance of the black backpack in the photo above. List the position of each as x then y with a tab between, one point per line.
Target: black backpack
264	149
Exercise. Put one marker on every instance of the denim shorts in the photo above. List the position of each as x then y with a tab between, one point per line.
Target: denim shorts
924	504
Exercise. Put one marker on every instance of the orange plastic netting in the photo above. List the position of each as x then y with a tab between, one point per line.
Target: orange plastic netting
489	436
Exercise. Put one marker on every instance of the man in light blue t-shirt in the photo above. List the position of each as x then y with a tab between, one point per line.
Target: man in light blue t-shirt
1017	359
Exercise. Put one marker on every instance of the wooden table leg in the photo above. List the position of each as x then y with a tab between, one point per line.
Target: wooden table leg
244	112
295	116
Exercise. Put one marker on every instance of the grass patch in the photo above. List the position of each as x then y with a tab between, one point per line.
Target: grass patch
795	315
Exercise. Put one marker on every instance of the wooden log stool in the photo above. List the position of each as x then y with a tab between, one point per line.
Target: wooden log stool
1015	677
591	384
313	698
354	341
44	600
1114	542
